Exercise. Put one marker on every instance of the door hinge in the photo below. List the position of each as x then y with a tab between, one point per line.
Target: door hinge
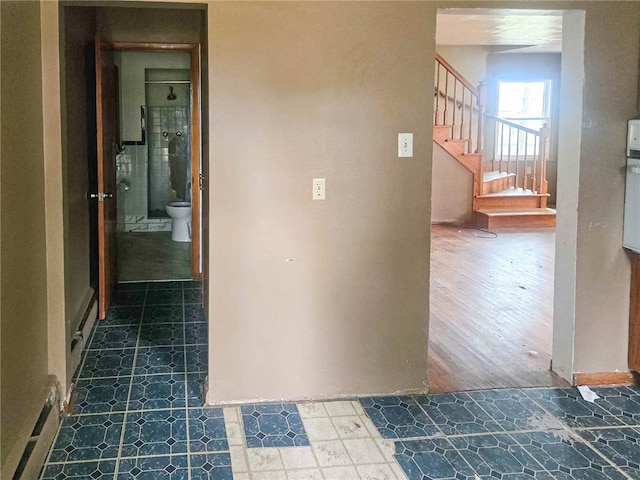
101	196
201	180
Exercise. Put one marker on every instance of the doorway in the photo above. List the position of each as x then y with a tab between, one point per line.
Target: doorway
484	330
158	163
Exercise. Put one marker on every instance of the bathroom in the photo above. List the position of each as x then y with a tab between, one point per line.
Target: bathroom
154	167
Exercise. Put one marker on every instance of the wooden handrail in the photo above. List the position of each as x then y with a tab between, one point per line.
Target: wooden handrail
453	99
456	74
512	124
459	105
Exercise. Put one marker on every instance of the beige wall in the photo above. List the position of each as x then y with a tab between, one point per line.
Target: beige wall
248	282
23	287
78	114
451	189
564	301
149	25
315	299
469	60
612	31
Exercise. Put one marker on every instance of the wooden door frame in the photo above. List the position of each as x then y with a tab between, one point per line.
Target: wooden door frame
193	49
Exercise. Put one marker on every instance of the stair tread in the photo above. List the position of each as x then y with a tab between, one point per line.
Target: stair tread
517	211
514	192
493	175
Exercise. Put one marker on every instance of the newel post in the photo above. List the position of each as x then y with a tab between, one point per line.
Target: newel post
545	133
481	103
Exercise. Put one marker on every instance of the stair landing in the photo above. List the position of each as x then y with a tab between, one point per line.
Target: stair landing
493	181
496	200
511	192
510	198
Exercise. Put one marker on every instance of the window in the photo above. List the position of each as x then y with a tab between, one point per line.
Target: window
525	104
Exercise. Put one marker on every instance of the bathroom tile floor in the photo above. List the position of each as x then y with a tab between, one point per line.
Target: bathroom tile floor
144	256
139	414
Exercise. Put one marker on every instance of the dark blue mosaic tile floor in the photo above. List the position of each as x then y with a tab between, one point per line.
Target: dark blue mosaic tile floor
399	417
541	433
274	425
138	412
139	415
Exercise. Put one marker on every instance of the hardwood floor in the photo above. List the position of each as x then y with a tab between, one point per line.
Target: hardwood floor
491	309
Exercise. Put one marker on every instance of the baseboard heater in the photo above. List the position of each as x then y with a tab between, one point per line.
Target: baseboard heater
81	336
78	343
44	430
37	447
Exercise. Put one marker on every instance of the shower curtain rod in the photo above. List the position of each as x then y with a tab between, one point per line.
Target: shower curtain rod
166	82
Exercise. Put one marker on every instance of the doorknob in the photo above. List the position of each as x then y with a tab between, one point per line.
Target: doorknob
101	196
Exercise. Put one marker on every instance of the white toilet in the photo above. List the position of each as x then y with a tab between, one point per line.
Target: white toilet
180	213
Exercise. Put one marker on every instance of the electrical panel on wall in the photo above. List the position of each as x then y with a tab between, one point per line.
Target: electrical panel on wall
633	139
631	226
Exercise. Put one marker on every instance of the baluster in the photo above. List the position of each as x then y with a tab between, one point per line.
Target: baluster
446	98
525	176
500	145
534	169
481	102
495	141
517	157
543	162
455	96
437	110
509	153
467	133
462	115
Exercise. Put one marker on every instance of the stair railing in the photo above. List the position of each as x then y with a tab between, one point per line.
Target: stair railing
460	105
517	149
520	151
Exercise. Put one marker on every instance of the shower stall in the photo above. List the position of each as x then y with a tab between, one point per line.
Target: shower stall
167	94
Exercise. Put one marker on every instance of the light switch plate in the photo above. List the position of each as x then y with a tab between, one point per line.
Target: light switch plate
405	145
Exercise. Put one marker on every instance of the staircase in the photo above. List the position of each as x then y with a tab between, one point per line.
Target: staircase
509	189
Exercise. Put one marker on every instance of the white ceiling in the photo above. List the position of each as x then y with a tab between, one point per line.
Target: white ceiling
527	30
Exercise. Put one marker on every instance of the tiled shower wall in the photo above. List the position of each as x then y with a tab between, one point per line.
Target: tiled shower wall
132	192
164	125
144	176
